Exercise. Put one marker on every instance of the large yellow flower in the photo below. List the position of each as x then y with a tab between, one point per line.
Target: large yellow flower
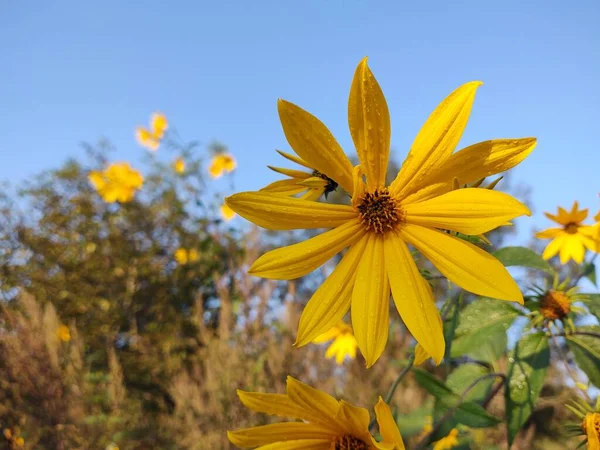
151	137
222	163
310	184
571	238
327	424
591	428
383	221
344	343
118	183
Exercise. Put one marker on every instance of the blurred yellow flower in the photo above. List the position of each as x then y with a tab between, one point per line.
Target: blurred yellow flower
571	238
63	333
448	442
326	423
344	343
150	138
227	213
221	163
7	433
179	165
118	183
20	442
591	428
184	256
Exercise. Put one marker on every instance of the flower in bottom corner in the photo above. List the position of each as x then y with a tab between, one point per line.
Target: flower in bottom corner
344	343
590	422
448	442
326	423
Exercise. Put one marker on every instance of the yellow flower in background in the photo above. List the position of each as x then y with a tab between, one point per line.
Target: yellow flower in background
344	343
20	442
179	165
63	333
227	213
571	238
118	183
184	256
150	138
326	423
448	442
383	221
591	428
222	163
311	185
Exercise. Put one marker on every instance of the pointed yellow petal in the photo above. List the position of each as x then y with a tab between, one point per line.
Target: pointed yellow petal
387	425
297	260
475	163
355	419
313	182
317	402
463	263
420	355
563	219
295	159
275	405
300	444
332	333
315	144
370	301
301	175
286	187
469	211
276	432
369	121
436	140
331	301
359	185
572	248
413	297
275	212
313	194
554	246
549	233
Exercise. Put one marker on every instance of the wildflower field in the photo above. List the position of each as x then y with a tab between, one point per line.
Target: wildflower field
363	297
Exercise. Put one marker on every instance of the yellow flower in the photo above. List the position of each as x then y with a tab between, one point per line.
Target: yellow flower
383	221
344	343
326	423
7	433
184	256
221	163
591	427
571	238
448	442
150	138
20	442
227	213
63	333
179	165
311	184
118	183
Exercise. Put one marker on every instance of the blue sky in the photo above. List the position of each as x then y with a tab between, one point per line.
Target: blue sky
77	71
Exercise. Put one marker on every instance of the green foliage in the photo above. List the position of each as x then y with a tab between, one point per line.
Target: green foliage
592	302
586	350
522	257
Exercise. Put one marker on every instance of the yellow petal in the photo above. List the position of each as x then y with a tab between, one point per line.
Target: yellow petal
549	233
97	179
463	263
275	432
159	125
313	182
276	405
275	212
294	261
146	138
554	246
295	159
359	185
313	194
328	335
315	144
572	248
593	435
301	444
369	121
315	401
474	163
227	213
469	211
370	301
436	140
413	297
420	355
331	300
355	419
286	187
387	425
301	175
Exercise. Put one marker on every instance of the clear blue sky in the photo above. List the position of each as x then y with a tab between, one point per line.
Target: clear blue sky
76	71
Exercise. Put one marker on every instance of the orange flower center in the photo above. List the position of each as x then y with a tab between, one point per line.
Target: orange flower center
348	443
555	305
571	227
379	211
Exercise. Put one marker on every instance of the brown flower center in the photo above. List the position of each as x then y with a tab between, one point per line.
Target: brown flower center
348	443
379	211
571	227
555	305
331	185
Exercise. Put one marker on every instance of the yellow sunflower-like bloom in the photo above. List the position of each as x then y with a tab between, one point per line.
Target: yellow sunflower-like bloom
344	343
179	165
311	185
327	424
118	183
591	428
63	333
184	256
571	238
220	164
383	220
227	213
150	138
447	442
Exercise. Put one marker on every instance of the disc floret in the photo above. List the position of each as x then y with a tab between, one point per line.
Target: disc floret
379	211
348	443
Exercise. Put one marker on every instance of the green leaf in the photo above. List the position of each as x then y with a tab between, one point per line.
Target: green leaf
586	350
522	257
464	375
589	271
528	364
467	412
593	304
481	333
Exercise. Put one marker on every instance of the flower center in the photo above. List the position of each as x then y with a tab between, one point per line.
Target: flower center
571	227
348	443
379	211
331	185
555	305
